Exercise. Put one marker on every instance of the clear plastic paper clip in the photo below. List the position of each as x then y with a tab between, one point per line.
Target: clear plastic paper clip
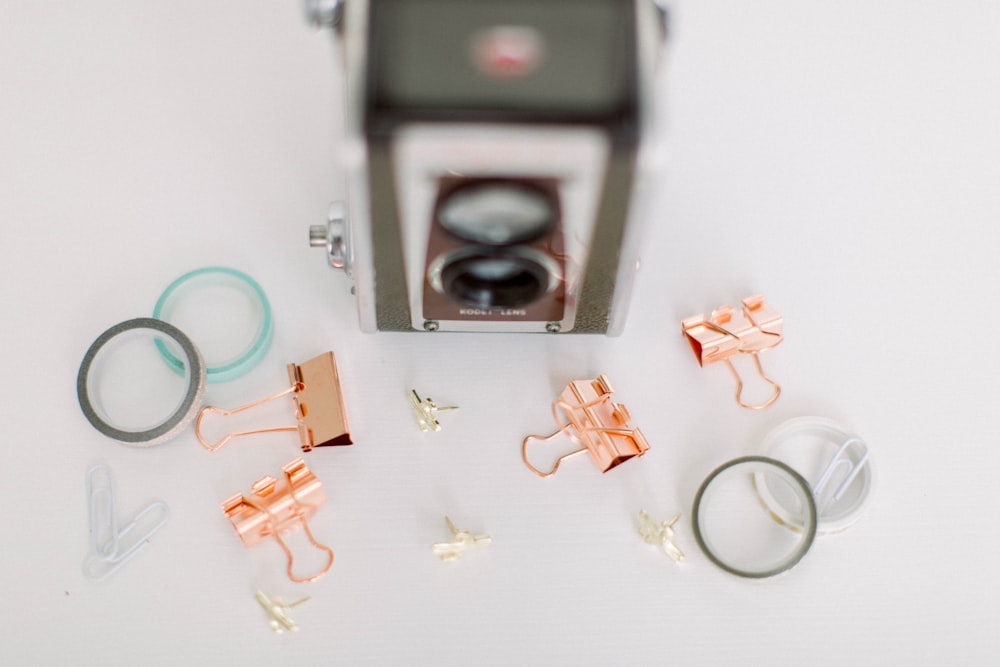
279	506
319	407
277	612
111	547
727	333
464	541
852	470
660	534
594	421
424	409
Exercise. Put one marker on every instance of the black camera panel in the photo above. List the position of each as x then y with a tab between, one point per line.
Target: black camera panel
511	61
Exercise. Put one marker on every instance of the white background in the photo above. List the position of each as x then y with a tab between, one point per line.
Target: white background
840	158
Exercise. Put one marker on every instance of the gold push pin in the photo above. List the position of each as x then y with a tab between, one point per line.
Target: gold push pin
660	534
424	409
277	612
464	541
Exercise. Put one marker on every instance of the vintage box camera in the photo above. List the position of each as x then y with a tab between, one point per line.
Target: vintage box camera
493	161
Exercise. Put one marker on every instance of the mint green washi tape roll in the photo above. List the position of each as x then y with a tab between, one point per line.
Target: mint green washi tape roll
233	366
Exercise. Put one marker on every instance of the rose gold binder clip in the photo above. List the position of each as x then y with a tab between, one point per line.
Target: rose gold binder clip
319	407
593	420
660	534
727	333
424	409
279	506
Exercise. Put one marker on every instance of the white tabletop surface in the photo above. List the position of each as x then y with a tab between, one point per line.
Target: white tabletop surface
840	158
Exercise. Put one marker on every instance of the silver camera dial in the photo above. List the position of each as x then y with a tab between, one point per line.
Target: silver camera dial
333	236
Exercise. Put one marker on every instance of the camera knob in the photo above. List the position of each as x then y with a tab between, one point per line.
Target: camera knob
332	236
324	13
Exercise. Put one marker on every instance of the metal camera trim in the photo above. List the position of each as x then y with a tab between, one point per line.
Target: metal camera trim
599	281
334	237
575	170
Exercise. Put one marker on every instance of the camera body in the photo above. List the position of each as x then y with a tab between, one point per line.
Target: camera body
493	158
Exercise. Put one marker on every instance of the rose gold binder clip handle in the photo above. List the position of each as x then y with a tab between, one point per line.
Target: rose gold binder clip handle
319	408
288	552
727	333
277	508
594	421
219	444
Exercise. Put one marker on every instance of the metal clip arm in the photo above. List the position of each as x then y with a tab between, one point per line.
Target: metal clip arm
291	559
226	413
272	532
546	438
739	384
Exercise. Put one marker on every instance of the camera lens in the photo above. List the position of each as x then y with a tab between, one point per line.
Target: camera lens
497	213
494	279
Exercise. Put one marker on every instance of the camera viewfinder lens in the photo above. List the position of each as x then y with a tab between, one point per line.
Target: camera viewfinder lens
497	213
494	280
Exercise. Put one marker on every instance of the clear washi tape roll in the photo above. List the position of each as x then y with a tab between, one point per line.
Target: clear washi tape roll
225	312
128	394
832	459
739	535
